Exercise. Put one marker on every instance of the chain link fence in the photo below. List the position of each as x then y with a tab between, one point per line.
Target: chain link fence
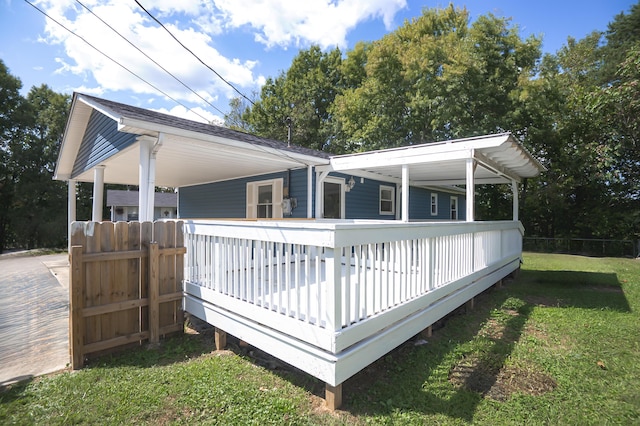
583	246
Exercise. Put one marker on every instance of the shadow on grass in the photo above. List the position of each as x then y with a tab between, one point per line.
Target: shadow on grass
419	379
447	378
587	290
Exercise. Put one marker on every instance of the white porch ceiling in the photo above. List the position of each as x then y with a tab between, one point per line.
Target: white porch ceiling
184	162
189	153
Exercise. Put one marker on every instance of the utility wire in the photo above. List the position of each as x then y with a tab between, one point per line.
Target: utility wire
114	61
151	59
194	55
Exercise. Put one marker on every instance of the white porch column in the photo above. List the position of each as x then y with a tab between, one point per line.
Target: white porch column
71	212
98	194
309	191
470	201
143	178
151	188
514	191
319	181
405	193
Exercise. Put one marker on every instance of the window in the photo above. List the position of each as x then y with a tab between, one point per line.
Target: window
264	199
454	208
387	199
434	204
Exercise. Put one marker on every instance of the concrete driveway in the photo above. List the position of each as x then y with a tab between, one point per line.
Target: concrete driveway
34	315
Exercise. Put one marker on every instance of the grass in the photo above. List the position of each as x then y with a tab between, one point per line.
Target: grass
558	345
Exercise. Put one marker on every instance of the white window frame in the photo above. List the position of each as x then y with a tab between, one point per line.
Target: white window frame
252	198
434	204
392	200
453	205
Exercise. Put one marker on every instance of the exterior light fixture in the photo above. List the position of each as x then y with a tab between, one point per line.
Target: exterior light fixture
350	184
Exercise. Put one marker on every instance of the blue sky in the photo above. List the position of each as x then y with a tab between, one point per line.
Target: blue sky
244	41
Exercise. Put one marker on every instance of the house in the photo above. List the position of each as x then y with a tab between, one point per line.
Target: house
124	205
385	242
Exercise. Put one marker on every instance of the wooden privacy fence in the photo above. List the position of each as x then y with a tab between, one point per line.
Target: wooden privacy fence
125	283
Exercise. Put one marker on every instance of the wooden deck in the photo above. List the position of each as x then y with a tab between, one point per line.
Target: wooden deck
331	297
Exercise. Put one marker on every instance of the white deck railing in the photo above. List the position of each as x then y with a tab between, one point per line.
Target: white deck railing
317	278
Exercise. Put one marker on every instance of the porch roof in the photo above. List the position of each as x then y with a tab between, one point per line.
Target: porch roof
500	159
187	153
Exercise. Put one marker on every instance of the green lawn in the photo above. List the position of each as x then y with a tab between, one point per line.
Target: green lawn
559	345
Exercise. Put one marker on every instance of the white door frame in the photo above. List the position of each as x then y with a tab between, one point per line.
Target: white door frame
337	181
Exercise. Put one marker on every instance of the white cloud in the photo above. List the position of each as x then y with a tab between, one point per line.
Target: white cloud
133	71
200	25
292	22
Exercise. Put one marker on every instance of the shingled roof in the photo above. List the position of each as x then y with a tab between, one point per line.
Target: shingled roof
132	112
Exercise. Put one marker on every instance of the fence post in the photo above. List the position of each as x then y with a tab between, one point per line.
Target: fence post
76	319
154	293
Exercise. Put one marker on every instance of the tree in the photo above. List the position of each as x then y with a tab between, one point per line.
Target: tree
301	97
437	78
34	206
11	127
38	213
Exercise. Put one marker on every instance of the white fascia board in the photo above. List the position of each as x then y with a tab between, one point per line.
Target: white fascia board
452	182
386	159
466	144
71	140
99	107
144	127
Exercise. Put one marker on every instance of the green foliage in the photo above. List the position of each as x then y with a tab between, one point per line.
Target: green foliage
302	97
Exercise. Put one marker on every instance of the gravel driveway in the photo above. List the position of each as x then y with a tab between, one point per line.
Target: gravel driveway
34	315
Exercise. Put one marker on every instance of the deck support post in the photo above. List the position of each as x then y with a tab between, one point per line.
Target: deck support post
470	304
427	332
221	339
333	396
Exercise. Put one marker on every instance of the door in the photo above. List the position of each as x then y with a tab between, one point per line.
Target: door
333	198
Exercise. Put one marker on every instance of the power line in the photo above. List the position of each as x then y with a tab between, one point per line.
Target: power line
114	61
151	59
194	55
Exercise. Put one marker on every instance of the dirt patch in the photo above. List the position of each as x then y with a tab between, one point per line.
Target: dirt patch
477	375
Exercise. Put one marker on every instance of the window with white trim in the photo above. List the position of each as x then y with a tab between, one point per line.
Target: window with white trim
387	199
264	199
454	208
434	204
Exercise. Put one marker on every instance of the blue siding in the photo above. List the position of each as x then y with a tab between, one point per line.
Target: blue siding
420	204
363	201
101	140
298	190
228	199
